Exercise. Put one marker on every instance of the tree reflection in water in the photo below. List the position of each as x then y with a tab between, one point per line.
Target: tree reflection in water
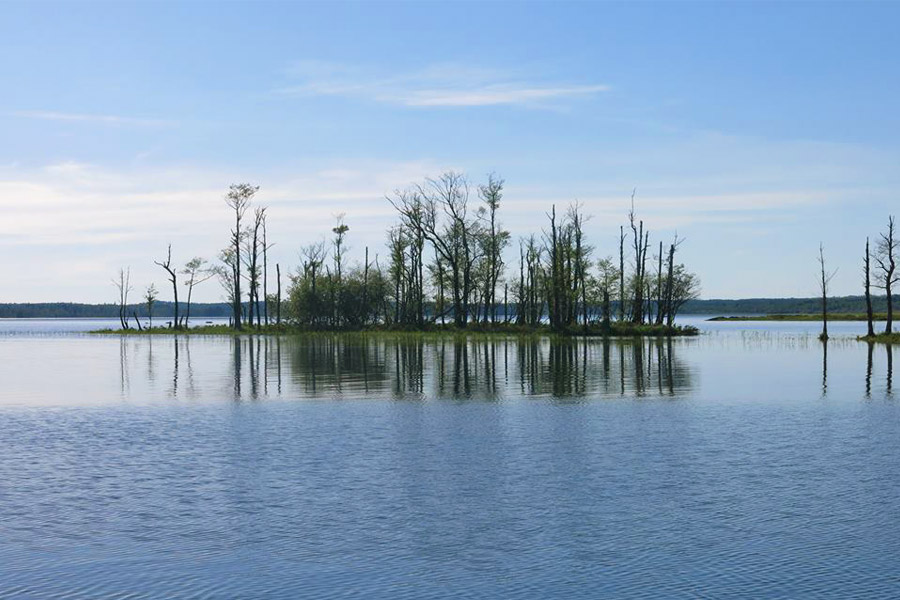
456	368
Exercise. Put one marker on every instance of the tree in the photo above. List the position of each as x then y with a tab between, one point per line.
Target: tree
251	257
173	279
685	287
495	238
640	242
608	283
438	212
238	198
340	232
150	296
824	281
123	284
197	271
885	258
870	329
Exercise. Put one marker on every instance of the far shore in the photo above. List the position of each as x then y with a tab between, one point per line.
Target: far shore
802	317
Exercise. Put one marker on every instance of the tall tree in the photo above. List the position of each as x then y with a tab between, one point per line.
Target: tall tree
867	270
496	239
123	284
238	198
886	258
824	281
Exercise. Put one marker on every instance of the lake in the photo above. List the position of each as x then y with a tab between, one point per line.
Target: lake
749	462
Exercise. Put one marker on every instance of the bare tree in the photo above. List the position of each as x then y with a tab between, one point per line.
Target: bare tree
824	281
173	279
123	284
885	258
238	198
251	257
867	270
640	242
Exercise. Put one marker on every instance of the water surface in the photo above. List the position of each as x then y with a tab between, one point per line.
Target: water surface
749	462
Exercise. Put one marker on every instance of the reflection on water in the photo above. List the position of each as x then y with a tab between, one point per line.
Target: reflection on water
743	464
416	368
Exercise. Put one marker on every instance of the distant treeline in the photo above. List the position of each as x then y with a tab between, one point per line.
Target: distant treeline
784	306
166	310
72	310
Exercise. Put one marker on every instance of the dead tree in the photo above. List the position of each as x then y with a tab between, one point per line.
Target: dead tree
870	331
885	257
824	281
123	284
173	279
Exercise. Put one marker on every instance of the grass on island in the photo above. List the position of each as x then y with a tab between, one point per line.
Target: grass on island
613	329
804	317
881	338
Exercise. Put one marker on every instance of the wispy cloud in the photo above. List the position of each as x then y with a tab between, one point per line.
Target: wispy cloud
444	85
48	115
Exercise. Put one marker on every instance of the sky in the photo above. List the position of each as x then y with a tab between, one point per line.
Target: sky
754	131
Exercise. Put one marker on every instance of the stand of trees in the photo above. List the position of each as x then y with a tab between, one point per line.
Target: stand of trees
885	275
445	263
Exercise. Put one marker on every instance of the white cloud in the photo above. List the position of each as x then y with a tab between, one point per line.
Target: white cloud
443	85
46	115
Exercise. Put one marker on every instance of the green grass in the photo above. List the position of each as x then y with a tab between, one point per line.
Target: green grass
881	338
475	330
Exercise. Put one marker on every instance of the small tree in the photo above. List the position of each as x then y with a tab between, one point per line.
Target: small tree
150	298
197	271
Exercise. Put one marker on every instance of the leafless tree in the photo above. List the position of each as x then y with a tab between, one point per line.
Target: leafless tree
123	284
867	274
824	281
886	259
173	279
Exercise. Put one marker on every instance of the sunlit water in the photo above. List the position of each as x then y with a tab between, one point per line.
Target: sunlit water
746	463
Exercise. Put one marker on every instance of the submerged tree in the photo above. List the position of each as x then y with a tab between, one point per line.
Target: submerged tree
870	329
824	281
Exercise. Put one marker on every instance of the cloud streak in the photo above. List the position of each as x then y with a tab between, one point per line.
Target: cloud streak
438	86
48	115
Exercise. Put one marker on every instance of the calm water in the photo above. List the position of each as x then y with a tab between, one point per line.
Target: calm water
746	463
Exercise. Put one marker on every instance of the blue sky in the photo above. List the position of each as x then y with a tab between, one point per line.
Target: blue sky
754	130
